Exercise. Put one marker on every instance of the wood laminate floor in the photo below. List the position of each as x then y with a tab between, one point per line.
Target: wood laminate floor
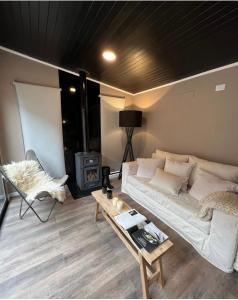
71	256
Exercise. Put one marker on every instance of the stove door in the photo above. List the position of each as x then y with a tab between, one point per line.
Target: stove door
91	176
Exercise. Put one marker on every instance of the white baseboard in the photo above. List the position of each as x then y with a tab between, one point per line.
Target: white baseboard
114	175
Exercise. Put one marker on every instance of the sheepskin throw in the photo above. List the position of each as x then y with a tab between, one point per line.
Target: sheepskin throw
223	201
29	178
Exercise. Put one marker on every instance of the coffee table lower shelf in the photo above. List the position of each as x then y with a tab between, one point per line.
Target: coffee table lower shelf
151	269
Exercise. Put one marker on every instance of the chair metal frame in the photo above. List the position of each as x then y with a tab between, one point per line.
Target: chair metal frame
40	197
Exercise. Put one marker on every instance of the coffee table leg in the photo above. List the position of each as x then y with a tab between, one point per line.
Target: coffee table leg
160	268
97	211
143	275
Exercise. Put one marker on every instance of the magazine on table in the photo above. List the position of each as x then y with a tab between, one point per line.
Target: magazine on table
143	232
148	236
129	219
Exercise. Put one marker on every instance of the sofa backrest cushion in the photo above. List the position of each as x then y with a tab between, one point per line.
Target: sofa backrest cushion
163	154
178	168
206	183
167	182
148	166
227	172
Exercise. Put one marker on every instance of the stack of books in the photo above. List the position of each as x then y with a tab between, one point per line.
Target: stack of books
143	232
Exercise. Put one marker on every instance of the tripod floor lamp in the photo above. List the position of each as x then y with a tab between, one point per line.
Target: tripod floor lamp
129	119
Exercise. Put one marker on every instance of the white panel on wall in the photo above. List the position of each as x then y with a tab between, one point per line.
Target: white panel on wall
40	112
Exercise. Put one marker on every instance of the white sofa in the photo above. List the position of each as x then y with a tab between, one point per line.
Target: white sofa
215	240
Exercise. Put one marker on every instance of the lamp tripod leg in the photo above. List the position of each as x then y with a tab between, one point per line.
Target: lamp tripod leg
128	149
123	160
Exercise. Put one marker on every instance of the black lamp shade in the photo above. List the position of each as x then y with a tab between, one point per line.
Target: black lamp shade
130	118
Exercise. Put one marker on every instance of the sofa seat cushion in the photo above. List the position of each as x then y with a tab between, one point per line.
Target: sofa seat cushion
183	205
141	183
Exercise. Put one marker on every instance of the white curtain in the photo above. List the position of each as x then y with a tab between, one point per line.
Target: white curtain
41	121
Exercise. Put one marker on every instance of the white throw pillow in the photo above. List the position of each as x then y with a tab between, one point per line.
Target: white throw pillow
148	166
166	182
179	168
227	172
207	183
164	154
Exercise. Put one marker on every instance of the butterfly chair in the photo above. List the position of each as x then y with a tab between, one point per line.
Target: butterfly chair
41	196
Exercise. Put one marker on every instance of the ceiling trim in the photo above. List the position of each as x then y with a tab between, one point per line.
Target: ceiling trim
113	87
59	68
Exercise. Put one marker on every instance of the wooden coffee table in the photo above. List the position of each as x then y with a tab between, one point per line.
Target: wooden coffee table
150	263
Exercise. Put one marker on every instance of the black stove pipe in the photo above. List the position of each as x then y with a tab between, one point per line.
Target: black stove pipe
84	108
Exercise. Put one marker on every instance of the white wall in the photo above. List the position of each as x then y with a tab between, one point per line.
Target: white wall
112	136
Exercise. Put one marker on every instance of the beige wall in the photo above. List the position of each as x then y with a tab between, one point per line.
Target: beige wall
112	136
16	68
190	117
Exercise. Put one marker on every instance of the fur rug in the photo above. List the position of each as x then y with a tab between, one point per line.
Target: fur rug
223	201
30	179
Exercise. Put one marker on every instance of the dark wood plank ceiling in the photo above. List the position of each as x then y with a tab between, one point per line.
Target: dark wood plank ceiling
155	42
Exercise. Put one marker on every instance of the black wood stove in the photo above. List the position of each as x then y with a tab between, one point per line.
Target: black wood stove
88	170
87	164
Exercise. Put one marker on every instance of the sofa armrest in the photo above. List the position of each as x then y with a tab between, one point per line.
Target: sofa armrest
221	247
128	168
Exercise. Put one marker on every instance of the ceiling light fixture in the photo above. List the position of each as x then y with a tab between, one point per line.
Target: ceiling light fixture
109	55
72	90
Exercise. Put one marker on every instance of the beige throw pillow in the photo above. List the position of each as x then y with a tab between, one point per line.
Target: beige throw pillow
148	166
207	183
179	168
168	183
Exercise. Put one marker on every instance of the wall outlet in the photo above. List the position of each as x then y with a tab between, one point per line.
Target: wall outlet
220	87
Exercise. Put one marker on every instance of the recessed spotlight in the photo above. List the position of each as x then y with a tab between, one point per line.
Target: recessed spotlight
72	90
109	55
